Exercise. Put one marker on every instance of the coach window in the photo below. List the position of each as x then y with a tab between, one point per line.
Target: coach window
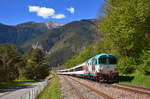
78	69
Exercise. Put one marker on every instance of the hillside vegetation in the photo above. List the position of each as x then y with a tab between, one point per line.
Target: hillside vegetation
77	35
125	31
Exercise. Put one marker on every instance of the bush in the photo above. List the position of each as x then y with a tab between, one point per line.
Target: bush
127	65
145	65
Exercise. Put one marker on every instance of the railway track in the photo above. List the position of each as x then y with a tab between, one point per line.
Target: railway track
98	92
76	91
117	91
139	90
136	89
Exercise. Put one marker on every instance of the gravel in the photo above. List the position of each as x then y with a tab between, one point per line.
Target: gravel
68	92
114	92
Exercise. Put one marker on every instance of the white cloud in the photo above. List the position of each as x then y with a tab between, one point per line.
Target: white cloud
45	12
71	10
42	11
58	16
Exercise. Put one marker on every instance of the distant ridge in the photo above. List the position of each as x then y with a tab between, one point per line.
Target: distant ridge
20	33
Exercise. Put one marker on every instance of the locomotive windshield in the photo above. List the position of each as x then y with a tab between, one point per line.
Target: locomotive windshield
108	60
102	60
112	60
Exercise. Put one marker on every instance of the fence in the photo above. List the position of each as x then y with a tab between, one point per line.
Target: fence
32	93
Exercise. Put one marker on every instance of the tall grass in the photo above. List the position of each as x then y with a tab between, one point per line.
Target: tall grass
139	79
16	83
52	90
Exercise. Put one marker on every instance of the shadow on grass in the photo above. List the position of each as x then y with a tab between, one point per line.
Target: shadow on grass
126	78
16	88
16	84
20	82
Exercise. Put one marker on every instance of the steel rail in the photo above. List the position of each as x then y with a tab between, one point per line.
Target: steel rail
131	88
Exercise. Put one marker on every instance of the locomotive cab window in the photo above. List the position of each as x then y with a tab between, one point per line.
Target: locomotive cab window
112	60
102	60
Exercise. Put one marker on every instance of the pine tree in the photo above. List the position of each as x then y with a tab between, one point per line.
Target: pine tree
36	65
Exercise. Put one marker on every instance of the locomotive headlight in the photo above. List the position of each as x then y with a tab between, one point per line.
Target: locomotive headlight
100	69
115	69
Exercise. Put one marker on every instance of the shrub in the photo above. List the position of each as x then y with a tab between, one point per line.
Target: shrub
126	65
145	65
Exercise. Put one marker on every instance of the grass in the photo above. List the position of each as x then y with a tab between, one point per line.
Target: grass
15	84
52	90
136	79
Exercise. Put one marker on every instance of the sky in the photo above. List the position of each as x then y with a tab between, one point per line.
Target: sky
14	12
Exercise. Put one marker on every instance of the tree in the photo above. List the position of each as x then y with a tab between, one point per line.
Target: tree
10	62
36	65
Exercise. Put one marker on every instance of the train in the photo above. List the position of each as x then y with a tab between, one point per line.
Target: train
102	68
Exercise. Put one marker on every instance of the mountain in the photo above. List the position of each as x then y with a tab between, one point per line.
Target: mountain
60	41
6	32
65	41
21	33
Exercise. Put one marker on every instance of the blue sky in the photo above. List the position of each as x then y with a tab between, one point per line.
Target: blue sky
18	11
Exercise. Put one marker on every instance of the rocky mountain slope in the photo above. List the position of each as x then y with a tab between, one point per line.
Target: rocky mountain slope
21	33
